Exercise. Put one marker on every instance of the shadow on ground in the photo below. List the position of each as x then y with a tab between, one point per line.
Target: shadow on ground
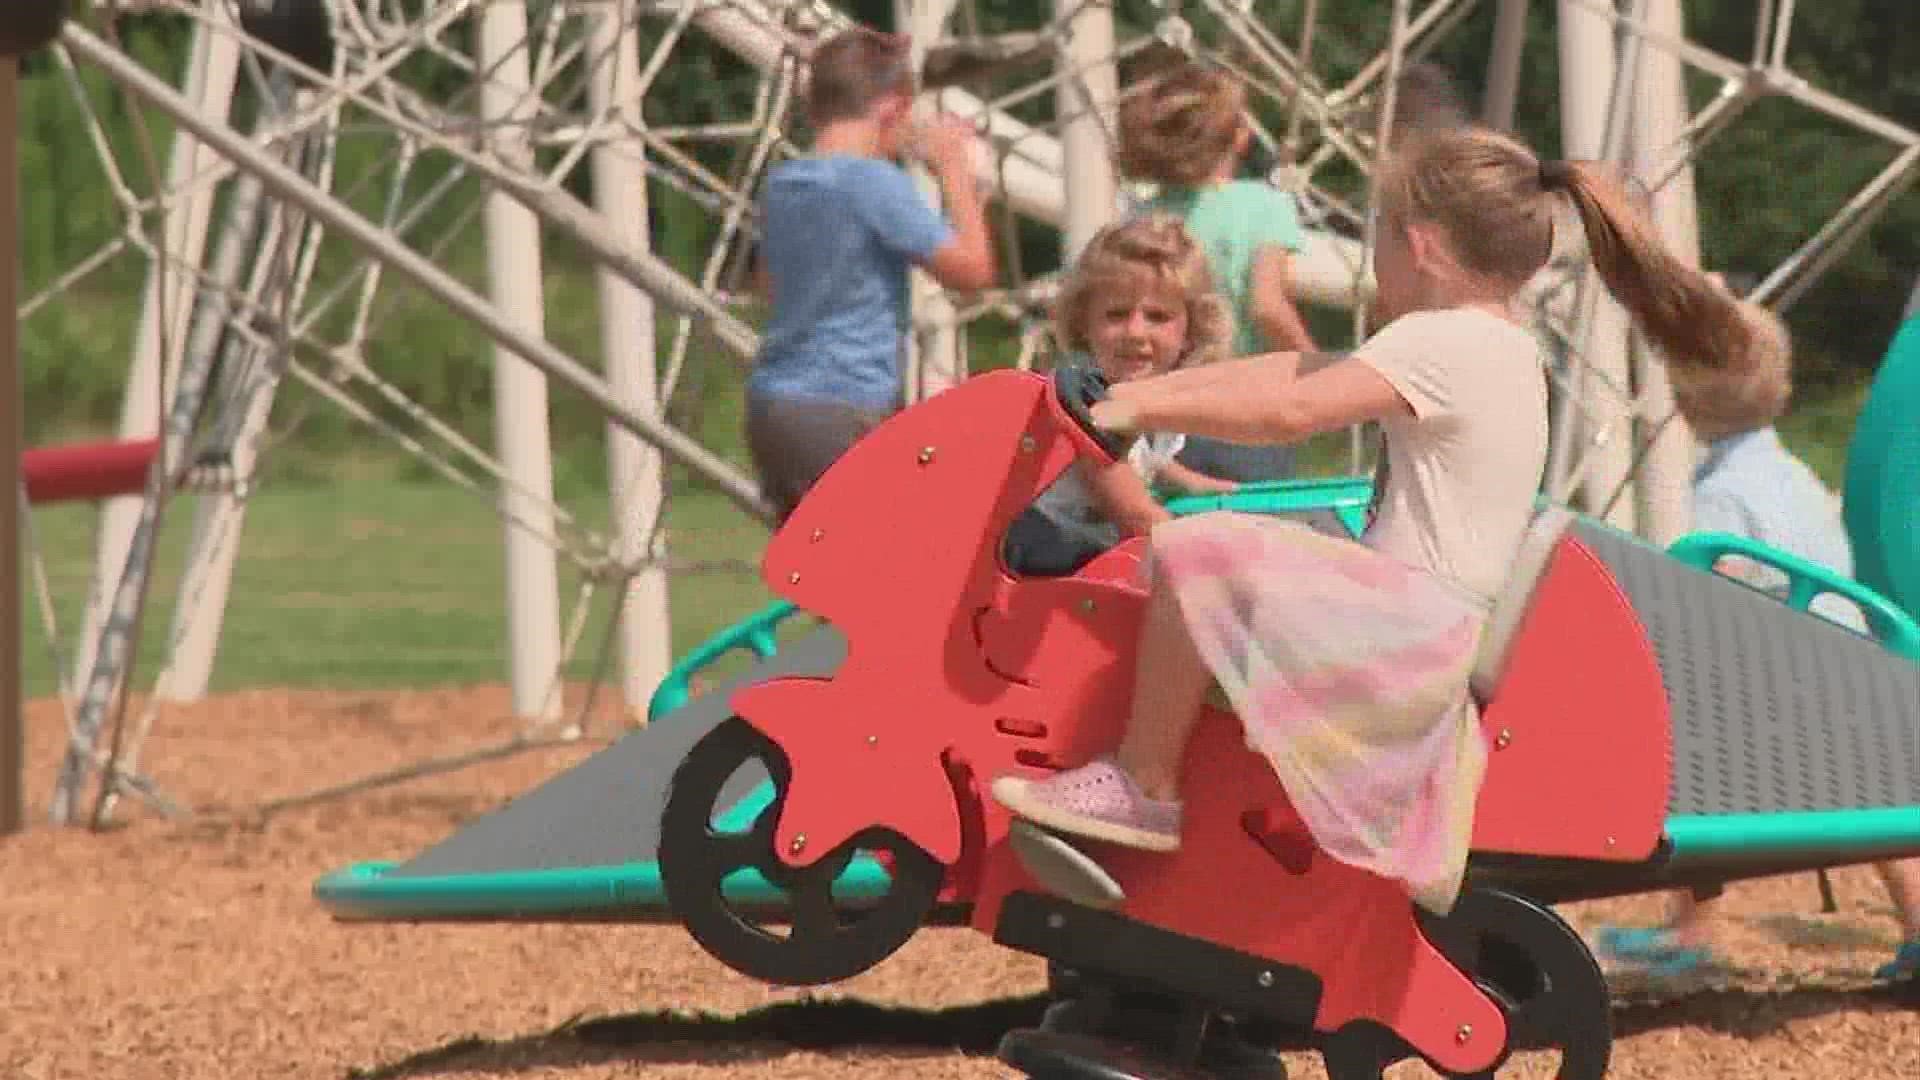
876	1030
763	1033
1746	1012
1815	933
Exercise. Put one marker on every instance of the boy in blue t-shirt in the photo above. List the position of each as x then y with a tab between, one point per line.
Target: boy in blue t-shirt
839	229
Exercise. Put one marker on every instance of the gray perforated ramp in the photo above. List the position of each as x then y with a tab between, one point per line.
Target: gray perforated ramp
606	810
1774	710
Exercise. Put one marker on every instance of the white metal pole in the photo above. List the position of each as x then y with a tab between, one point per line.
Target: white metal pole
627	339
165	307
1503	67
932	361
1599	367
1085	98
199	612
519	389
114	660
1665	482
248	385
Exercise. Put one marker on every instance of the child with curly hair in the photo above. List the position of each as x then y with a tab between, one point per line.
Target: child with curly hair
1138	302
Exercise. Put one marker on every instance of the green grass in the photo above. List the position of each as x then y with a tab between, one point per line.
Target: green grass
380	582
1819	431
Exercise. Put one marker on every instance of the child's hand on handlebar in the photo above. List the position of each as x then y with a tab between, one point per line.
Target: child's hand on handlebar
1117	417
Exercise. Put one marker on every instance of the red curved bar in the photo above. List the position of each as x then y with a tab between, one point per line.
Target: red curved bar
89	470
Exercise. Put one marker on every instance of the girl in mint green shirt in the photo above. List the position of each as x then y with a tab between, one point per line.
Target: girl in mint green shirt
1187	133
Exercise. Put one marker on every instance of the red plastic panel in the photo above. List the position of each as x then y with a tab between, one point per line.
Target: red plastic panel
1582	743
94	470
1120	563
1227	885
906	578
1070	643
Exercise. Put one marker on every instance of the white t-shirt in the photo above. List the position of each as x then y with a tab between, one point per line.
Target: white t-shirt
1069	503
1464	469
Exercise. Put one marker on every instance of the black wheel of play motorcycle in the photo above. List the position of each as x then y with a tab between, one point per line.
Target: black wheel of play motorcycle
1532	964
827	941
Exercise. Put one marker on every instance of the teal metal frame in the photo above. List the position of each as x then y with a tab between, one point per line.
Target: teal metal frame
757	634
1806	581
1710	836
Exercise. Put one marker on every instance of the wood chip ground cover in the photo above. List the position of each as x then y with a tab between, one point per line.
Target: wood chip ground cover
194	951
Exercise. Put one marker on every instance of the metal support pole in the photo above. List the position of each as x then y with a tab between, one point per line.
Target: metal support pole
1086	99
520	429
1665	482
107	680
287	184
248	381
31	23
1503	67
627	338
212	68
13	740
1596	77
932	361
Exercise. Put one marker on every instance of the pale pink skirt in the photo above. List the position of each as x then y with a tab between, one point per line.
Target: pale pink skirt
1349	671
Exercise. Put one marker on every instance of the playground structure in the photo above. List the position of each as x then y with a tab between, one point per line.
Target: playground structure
1712	831
259	295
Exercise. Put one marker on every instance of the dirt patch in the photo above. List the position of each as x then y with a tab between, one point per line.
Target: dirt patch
195	950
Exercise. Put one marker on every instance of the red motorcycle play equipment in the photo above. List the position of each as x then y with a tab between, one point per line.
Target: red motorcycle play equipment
959	670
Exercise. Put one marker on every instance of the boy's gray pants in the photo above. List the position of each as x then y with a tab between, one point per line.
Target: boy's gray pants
793	440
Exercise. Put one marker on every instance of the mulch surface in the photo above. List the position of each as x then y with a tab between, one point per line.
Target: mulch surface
193	949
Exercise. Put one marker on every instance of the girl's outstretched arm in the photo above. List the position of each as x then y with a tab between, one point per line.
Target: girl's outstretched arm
1257	404
1262	368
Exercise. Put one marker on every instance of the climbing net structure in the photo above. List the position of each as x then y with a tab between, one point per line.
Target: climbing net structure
317	155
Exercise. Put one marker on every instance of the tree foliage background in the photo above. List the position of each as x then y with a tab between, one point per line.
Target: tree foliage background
1764	186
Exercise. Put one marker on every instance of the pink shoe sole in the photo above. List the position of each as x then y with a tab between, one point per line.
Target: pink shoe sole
1099	801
